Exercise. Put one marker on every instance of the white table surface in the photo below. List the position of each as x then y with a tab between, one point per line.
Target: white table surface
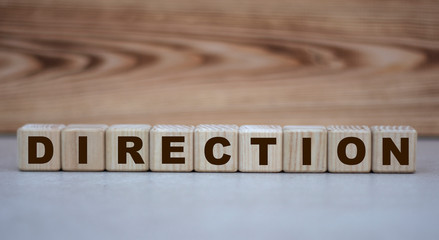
109	205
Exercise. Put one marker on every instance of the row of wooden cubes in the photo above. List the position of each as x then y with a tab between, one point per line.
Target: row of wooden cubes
217	148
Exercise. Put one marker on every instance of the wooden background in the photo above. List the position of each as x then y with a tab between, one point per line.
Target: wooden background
244	62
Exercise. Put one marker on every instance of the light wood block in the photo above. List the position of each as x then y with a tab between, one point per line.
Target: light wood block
39	147
216	148
171	148
394	149
260	148
83	147
127	147
305	149
349	149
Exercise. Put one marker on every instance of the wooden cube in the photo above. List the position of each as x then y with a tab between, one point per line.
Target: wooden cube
305	149
39	147
127	147
83	147
394	149
216	148
171	148
349	149
260	148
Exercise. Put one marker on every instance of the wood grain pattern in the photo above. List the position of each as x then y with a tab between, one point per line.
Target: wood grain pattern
293	157
250	153
140	131
95	144
338	133
180	149
248	62
53	133
205	132
395	133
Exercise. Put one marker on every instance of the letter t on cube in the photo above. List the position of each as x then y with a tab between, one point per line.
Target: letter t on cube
260	148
